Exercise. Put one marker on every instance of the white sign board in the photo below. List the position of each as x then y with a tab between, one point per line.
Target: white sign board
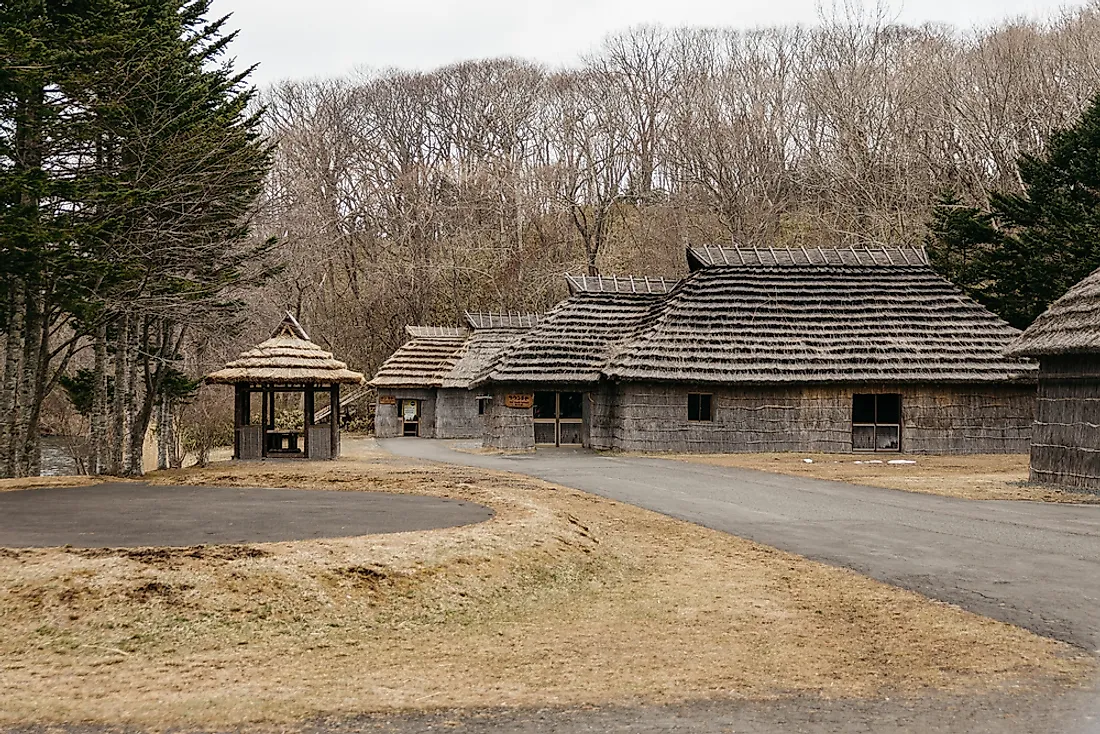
410	411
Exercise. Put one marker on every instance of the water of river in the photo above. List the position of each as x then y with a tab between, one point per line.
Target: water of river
57	456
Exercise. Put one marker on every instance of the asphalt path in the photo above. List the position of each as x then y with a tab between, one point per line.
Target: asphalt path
1030	564
127	514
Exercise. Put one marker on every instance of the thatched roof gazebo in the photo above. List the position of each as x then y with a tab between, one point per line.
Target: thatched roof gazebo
288	362
1065	443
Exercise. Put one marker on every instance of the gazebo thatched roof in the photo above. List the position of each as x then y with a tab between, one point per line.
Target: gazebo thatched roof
288	357
1070	326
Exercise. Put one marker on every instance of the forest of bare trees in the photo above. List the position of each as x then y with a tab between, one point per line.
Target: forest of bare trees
406	197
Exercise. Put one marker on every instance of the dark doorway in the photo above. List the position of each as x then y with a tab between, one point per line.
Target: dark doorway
876	422
409	411
559	418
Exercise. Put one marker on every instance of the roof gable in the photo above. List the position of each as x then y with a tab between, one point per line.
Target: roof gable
703	256
424	360
495	320
618	284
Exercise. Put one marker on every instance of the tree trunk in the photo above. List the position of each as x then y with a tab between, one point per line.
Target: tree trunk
14	350
136	419
121	428
164	412
100	423
24	434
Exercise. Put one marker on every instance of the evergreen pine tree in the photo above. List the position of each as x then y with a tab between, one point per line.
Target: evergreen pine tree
1029	248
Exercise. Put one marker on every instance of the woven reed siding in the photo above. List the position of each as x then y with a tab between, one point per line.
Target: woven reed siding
1066	446
456	414
601	404
980	419
387	422
653	417
508	428
320	442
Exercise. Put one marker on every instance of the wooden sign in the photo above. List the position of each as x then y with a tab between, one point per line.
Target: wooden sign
519	400
387	400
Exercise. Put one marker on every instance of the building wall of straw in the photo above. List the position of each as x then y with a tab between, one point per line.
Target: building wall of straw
1066	444
936	418
387	419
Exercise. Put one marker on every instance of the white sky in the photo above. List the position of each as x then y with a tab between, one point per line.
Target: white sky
309	38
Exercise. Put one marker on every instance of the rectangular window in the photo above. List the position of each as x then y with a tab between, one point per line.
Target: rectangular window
699	407
876	422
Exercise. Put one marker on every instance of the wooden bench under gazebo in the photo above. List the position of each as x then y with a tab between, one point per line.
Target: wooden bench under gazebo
288	362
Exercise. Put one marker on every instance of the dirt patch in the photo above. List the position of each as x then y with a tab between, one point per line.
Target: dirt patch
562	598
972	477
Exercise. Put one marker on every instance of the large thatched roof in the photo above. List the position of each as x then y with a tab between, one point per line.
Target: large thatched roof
575	340
1070	326
288	357
814	323
424	360
774	316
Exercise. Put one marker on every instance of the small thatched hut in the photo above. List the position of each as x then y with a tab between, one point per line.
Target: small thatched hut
424	387
288	362
860	349
1065	445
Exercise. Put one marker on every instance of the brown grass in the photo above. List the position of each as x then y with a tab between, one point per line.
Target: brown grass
561	598
972	477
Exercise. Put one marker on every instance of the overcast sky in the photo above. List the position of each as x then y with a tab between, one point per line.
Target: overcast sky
308	38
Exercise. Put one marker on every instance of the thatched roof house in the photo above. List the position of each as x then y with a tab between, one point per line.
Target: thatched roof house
1065	448
770	349
423	388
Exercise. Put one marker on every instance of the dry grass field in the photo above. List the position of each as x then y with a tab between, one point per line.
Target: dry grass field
974	477
561	598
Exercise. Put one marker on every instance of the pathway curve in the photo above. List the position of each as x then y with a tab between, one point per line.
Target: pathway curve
1027	563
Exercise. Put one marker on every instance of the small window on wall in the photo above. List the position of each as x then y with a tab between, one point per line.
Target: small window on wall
699	407
876	422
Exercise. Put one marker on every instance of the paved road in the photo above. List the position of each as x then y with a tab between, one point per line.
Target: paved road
1031	564
132	514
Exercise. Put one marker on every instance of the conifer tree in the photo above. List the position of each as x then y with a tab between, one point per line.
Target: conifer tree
1027	249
